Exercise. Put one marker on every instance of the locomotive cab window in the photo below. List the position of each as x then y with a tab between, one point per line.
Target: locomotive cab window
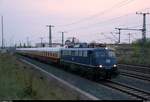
111	54
99	54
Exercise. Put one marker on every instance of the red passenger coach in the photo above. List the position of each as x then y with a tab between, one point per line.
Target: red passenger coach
45	54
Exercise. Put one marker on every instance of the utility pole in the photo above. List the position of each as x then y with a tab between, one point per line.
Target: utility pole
129	37
20	45
2	32
119	29
63	37
27	41
41	41
144	25
50	35
126	29
114	37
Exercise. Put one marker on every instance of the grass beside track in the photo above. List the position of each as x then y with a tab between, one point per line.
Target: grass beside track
19	81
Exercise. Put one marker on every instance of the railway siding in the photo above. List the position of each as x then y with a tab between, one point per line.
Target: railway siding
144	70
137	75
133	82
142	95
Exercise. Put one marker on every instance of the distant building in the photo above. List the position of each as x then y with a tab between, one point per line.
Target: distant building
56	44
47	44
81	45
96	45
41	45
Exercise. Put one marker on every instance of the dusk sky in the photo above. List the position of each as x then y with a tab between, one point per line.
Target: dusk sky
88	20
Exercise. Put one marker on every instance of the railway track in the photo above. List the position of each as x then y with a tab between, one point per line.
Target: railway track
91	86
147	67
140	76
140	94
140	69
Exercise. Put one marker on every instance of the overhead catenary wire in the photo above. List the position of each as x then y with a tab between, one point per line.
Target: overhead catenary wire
105	21
100	23
118	5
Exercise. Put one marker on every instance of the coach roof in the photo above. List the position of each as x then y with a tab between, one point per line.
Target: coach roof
40	49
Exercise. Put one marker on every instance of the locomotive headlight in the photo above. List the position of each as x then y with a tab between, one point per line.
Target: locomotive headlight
115	65
100	66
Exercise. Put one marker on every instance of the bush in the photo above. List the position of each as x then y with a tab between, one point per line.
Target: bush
140	55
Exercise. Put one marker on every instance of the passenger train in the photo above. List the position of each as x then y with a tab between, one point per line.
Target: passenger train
95	62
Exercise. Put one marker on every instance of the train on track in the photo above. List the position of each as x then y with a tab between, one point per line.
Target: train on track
94	62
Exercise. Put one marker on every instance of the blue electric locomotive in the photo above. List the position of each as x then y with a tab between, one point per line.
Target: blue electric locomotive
99	62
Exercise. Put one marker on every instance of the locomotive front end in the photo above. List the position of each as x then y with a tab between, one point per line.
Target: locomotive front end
106	62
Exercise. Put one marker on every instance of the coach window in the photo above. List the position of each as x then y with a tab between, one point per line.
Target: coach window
66	53
84	53
76	53
73	53
63	52
69	53
55	55
80	53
